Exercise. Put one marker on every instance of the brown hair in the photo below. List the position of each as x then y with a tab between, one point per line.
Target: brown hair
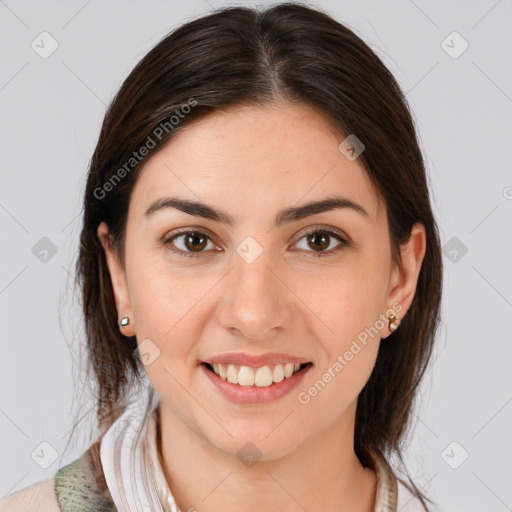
240	55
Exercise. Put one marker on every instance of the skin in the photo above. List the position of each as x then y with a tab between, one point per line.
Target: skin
253	162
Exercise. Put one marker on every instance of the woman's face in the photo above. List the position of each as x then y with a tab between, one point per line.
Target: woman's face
260	284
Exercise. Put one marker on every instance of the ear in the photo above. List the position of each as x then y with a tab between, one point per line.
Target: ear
404	278
118	278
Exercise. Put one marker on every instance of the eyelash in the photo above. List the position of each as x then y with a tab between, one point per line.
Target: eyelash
331	232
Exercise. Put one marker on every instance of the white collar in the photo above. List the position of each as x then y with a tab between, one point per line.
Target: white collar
134	474
125	458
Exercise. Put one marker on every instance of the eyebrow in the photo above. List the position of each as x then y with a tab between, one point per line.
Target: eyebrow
287	215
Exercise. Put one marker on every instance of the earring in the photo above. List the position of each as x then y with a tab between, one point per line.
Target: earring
393	322
124	321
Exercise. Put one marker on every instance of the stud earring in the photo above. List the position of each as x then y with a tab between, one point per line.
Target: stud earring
393	322
124	321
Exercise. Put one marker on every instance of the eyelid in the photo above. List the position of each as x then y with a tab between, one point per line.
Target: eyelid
166	240
323	228
189	229
344	239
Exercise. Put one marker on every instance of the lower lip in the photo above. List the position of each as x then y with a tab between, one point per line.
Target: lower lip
253	394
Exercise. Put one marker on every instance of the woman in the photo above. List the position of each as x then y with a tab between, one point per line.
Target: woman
260	261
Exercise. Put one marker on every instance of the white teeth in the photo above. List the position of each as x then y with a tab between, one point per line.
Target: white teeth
232	374
263	377
288	369
278	374
246	376
260	377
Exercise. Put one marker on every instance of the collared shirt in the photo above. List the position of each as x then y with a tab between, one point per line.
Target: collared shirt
122	470
386	498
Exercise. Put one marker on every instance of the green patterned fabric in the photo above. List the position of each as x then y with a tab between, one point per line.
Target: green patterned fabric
81	485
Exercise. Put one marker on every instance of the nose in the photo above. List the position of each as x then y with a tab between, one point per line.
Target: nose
255	299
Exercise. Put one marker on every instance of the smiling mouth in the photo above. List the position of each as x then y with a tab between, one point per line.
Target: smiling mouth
264	376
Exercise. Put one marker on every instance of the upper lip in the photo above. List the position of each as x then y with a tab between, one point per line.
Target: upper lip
255	361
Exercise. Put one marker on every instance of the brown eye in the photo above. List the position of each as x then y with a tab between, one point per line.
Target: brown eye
195	241
318	241
188	242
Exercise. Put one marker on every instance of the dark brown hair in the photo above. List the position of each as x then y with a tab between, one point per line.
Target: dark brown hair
236	56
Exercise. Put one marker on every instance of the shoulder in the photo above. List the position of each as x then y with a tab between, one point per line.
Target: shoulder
38	497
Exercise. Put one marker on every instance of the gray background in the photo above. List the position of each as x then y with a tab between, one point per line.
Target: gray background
51	110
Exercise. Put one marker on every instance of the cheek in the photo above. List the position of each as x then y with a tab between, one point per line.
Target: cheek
165	309
350	355
350	306
163	299
348	302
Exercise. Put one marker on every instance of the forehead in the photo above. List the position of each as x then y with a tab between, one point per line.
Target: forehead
256	156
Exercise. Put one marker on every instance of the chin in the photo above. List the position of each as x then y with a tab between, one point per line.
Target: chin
258	441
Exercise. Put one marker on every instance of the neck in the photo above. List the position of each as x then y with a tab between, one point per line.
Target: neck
323	474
